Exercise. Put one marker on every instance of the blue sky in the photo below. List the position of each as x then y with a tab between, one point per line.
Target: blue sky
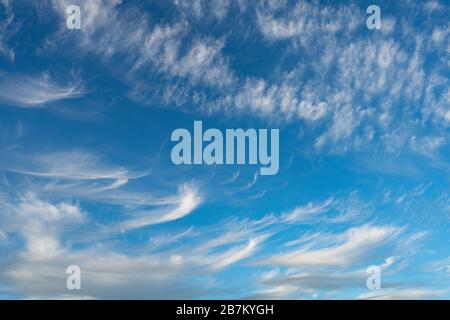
86	176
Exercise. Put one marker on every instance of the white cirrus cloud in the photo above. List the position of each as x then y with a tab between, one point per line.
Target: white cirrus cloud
352	246
36	91
186	202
